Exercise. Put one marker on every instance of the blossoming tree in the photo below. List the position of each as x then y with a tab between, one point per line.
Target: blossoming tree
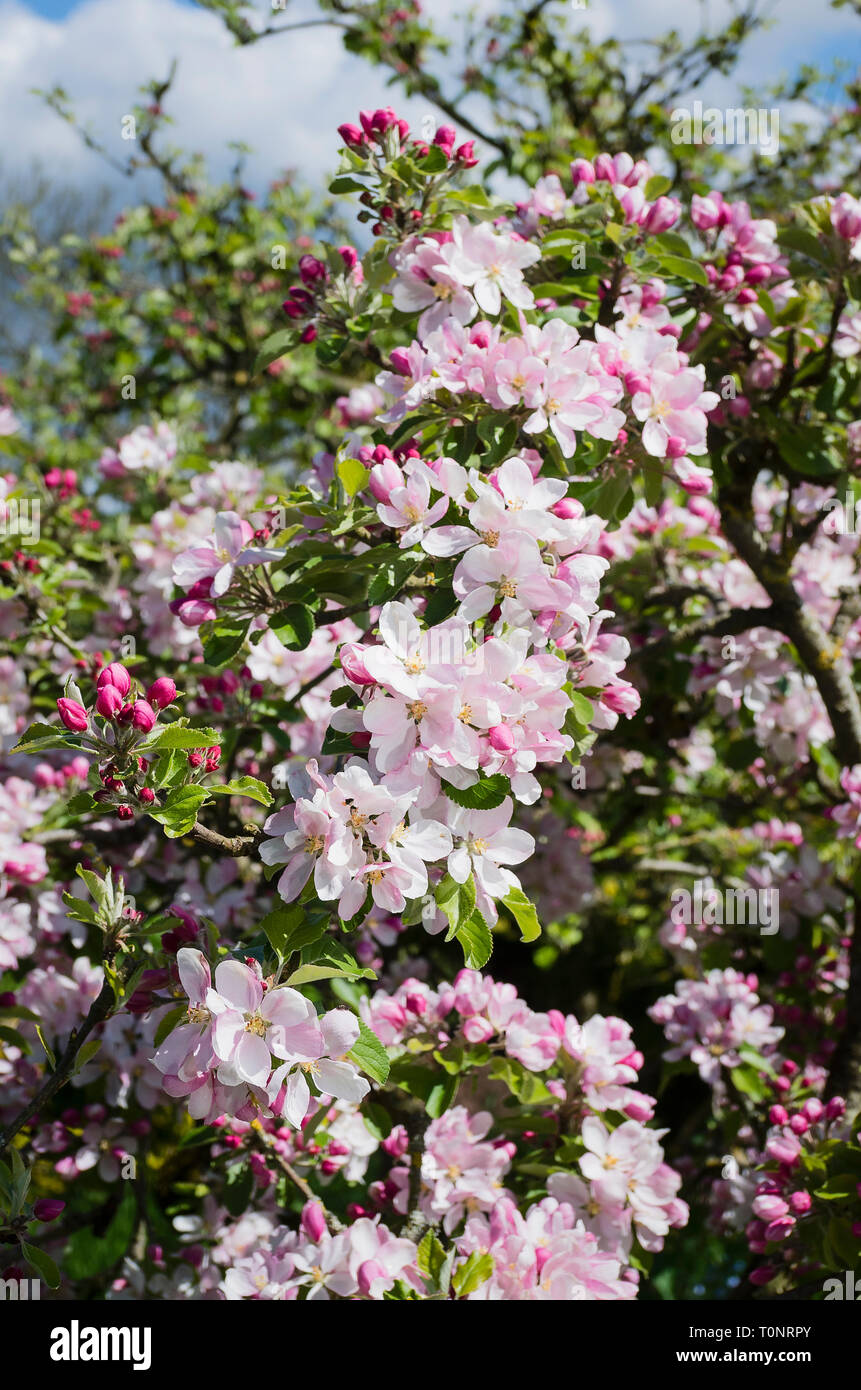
565	616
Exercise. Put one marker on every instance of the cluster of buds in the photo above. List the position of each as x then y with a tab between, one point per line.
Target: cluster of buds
205	758
21	561
303	300
63	481
117	723
381	137
782	1200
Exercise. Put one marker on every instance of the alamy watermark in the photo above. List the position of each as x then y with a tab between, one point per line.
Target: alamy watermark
21	517
726	907
748	125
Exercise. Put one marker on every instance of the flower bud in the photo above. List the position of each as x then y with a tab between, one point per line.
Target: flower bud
162	692
314	1221
48	1208
117	675
143	716
109	702
73	715
146	796
501	738
352	665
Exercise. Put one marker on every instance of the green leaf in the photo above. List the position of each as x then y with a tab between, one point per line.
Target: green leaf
81	804
289	929
457	901
369	1054
275	346
431	1258
657	186
41	736
238	1188
524	914
52	1061
683	269
293	626
179	812
86	1054
353	475
391	577
475	1271
42	1263
483	795
251	787
168	1023
88	1255
181	736
223	642
328	960
476	939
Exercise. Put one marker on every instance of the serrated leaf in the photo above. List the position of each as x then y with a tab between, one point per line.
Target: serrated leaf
523	911
181	736
369	1055
483	795
476	939
289	929
251	787
179	812
475	1271
353	475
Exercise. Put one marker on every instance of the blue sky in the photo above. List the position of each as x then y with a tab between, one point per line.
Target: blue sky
285	96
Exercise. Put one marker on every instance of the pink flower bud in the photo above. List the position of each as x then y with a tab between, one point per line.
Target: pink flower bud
799	1125
568	509
605	169
676	447
117	675
400	361
445	138
769	1207
780	1229
384	478
835	1107
846	217
813	1110
761	1276
73	715
314	1221
162	692
312	271
582	172
109	701
351	134
465	154
662	215
778	1115
800	1202
146	796
143	716
125	813
48	1208
349	255
352	665
501	738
